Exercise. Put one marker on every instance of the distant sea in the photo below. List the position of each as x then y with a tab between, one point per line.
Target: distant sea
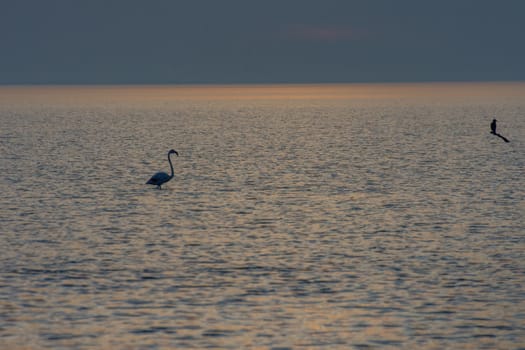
361	216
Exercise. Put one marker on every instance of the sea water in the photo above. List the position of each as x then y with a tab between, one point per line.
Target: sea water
299	216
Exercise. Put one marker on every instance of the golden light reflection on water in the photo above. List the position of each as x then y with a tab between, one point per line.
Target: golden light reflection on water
299	217
166	93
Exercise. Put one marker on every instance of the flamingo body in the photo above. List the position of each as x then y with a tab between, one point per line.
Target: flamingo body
159	178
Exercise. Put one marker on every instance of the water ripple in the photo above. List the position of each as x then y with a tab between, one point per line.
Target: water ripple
328	224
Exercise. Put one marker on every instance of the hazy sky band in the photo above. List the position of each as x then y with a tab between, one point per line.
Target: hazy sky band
119	42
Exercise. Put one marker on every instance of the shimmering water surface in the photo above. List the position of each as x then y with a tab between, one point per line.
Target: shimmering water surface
329	217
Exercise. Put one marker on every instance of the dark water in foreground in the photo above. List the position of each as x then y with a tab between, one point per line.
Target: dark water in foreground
328	217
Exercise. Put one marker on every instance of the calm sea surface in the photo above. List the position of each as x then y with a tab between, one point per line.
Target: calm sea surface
299	217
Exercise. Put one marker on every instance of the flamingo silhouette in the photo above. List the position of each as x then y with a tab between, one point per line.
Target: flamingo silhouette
161	177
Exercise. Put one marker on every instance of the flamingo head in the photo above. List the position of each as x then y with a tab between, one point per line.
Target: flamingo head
173	151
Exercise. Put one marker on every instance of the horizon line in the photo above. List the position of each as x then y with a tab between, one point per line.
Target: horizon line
173	84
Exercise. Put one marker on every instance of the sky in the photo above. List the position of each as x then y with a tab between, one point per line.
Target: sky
249	41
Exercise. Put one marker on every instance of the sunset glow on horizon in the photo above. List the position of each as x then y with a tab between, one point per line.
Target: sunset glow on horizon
167	93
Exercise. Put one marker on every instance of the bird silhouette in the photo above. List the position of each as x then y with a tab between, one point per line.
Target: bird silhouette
493	131
161	177
493	126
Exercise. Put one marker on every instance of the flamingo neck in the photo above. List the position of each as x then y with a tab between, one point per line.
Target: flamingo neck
171	165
